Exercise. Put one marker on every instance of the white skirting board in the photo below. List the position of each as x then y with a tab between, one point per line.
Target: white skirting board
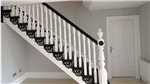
145	71
56	75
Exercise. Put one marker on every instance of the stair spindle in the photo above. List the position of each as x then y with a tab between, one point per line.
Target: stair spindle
84	57
102	71
60	35
75	54
29	18
56	40
13	10
79	42
37	28
42	26
65	40
70	50
9	7
17	11
94	60
89	56
21	15
33	12
46	19
25	16
51	26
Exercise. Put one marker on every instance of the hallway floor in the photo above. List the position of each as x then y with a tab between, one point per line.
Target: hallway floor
71	81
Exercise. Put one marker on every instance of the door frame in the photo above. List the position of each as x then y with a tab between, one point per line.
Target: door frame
136	43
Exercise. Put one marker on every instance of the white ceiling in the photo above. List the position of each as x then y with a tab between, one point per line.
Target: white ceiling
102	5
14	2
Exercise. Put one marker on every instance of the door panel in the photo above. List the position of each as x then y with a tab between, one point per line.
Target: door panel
122	47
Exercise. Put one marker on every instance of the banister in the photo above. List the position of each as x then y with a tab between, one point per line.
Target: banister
72	24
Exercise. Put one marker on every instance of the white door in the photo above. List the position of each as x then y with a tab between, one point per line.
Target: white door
121	48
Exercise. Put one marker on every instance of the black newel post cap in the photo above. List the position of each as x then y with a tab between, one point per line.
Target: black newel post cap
101	43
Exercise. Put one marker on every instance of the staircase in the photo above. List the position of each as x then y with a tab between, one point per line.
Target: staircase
42	26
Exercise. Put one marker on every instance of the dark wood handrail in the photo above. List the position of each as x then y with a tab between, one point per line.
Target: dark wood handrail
72	24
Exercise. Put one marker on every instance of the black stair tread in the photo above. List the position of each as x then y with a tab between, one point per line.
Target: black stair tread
39	37
22	23
8	10
14	16
49	44
30	30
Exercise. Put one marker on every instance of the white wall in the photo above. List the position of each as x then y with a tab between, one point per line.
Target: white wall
144	14
37	62
90	21
13	54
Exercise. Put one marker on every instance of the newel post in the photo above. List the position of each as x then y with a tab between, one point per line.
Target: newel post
102	71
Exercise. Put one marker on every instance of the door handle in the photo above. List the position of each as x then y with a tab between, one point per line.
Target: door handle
110	49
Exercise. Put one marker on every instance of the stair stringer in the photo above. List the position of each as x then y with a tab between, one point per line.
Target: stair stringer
41	49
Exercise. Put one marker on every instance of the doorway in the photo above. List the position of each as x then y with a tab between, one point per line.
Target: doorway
123	46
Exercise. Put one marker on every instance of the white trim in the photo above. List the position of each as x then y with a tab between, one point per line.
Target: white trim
60	75
20	79
0	54
44	52
136	44
146	81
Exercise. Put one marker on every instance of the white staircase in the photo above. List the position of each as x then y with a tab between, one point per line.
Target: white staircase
42	26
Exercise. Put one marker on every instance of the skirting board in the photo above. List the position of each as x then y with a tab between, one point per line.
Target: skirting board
56	75
146	81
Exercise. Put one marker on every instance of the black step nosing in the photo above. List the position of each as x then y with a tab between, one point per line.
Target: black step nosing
31	30
14	16
7	10
49	44
58	52
22	23
39	37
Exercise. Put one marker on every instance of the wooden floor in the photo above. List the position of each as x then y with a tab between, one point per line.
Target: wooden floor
71	81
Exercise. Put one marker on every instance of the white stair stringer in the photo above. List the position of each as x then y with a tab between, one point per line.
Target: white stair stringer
41	49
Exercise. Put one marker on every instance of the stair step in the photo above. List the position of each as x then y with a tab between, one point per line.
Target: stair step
31	33
39	40
6	13
49	47
14	19
58	55
22	26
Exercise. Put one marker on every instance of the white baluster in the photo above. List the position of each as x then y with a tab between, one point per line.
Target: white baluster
9	7
46	19
29	18
42	26
84	57
94	60
102	71
75	54
89	55
13	10
51	26
25	16
17	11
21	15
70	51
79	39
33	12
37	28
56	41
60	35
65	40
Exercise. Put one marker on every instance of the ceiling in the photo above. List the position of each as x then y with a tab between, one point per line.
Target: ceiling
102	5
